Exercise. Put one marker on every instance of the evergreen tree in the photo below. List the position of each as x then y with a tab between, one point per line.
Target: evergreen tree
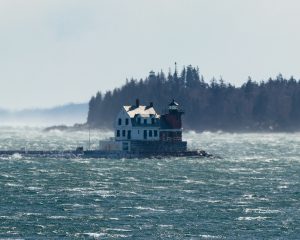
274	104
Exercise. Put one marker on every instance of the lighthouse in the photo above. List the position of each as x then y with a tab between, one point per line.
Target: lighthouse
140	129
171	123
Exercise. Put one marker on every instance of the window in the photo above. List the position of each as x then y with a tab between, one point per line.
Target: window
123	133
127	121
155	133
145	121
118	133
120	121
138	131
139	121
152	120
129	134
150	133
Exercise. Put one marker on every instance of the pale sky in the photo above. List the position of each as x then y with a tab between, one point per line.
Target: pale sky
59	51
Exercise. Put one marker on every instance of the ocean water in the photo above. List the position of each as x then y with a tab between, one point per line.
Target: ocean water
250	191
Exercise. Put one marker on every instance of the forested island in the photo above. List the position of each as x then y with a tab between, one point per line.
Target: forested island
272	105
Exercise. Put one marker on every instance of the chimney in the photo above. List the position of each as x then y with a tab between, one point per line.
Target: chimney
137	102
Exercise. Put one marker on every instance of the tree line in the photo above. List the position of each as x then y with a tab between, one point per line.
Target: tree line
272	105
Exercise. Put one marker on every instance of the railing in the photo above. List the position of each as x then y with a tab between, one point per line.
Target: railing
166	111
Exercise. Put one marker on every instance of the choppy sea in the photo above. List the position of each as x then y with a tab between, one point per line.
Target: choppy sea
251	191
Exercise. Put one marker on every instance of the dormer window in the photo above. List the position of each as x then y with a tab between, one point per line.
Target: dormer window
152	120
139	120
120	121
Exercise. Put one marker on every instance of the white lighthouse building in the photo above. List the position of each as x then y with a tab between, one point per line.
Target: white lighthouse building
140	129
137	122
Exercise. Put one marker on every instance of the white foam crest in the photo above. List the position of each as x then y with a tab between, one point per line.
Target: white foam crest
7	175
131	179
166	226
34	188
210	236
16	156
32	214
13	185
118	229
192	181
96	235
58	217
149	209
258	218
261	210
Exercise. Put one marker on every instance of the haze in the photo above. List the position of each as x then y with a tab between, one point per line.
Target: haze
54	52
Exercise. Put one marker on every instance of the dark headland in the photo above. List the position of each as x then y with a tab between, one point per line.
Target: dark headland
267	106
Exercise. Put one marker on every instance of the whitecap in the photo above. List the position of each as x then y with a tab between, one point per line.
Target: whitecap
118	236
261	210
150	209
16	156
131	179
210	236
159	187
180	210
6	175
57	217
104	193
13	185
258	218
165	226
32	214
118	229
191	181
34	188
96	235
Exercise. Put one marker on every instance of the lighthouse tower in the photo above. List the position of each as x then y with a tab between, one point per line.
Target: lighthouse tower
171	124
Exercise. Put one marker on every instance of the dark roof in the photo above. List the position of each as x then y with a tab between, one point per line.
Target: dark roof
173	103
